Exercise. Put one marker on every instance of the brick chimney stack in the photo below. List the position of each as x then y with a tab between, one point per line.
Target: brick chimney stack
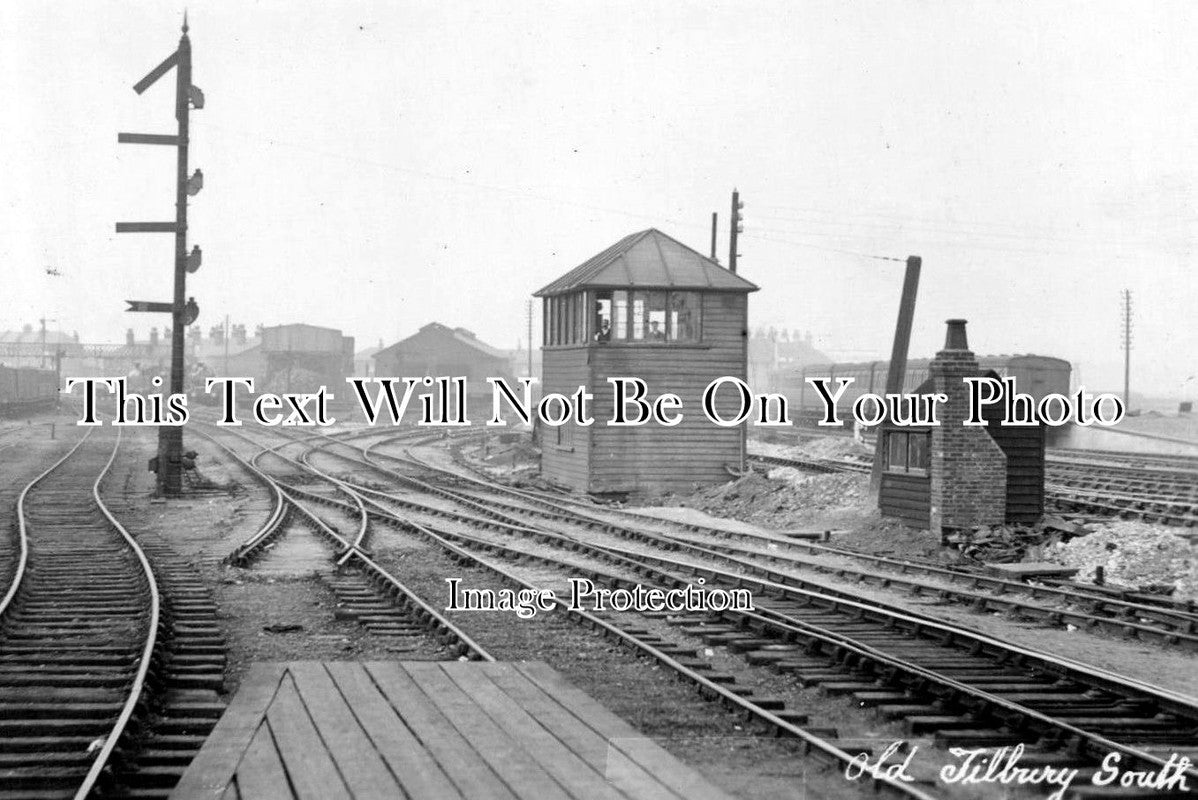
969	469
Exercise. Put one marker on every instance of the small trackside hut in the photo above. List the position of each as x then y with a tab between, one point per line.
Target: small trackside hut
647	307
952	476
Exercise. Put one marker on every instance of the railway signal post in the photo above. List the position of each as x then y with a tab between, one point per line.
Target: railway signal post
183	311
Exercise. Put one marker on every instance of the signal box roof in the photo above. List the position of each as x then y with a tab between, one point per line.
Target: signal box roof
648	260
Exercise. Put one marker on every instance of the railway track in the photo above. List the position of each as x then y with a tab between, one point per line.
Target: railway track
1166	496
366	591
973	689
1062	603
78	632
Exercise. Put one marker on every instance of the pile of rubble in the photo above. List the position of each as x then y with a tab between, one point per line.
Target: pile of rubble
776	499
832	447
1134	555
1002	544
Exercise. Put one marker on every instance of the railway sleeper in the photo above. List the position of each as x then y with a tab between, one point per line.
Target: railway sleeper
76	709
57	781
906	709
52	729
946	736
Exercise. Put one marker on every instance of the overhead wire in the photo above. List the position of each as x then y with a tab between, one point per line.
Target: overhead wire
524	192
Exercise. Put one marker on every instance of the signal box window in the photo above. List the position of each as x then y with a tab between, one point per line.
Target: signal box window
616	315
620	307
638	316
655	317
684	316
602	320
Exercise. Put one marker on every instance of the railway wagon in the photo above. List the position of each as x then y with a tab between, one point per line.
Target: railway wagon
1033	374
26	389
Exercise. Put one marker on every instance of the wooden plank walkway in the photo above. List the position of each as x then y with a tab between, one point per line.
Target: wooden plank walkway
425	731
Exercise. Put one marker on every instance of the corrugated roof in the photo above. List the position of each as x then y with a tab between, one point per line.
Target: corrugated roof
649	259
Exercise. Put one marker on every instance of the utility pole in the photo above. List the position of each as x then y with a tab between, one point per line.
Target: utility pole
715	219
528	315
737	227
45	342
226	344
898	358
58	356
183	310
1127	348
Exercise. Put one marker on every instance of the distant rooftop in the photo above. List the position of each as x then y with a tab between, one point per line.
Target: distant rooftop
462	335
32	335
648	259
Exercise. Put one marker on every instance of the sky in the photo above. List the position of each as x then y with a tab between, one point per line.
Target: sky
377	166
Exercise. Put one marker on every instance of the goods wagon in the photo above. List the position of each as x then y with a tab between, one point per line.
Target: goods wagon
1034	375
25	389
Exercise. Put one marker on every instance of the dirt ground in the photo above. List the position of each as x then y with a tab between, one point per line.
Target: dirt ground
281	593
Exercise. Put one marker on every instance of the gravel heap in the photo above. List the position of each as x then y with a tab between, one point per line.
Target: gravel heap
1134	555
775	499
838	447
834	447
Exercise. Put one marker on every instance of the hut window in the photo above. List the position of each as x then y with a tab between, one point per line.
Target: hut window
602	317
907	451
655	317
684	316
918	455
638	316
618	315
580	317
620	309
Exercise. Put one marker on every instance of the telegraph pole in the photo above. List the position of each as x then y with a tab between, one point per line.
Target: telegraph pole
715	220
183	311
1127	348
528	314
738	226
